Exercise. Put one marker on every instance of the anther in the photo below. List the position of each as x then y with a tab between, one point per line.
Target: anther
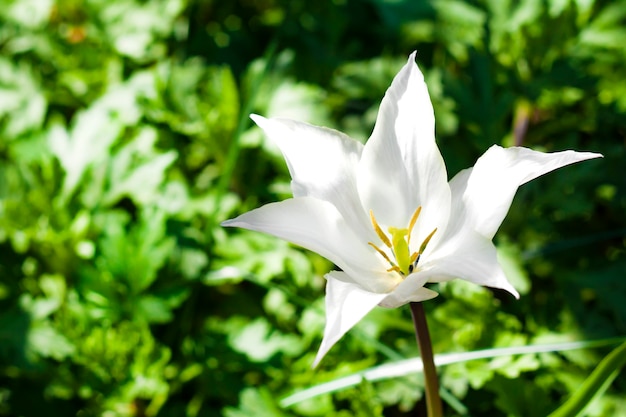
379	231
383	254
425	242
414	217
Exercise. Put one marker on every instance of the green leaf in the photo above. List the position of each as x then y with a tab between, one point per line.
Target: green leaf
153	309
599	380
259	342
517	397
461	25
251	252
22	104
95	130
510	259
258	402
138	170
29	13
134	28
410	366
136	256
46	341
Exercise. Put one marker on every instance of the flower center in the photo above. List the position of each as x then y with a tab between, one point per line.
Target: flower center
405	261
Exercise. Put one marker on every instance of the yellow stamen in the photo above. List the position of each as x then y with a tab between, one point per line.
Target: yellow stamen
383	254
395	268
425	242
379	231
412	222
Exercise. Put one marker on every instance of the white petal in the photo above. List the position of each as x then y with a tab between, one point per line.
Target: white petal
401	167
346	304
410	290
470	256
482	196
318	226
322	163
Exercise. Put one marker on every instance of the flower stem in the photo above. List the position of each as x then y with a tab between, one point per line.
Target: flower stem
433	401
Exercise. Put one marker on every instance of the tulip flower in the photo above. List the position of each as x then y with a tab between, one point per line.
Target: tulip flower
385	212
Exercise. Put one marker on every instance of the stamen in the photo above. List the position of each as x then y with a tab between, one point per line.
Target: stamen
416	214
395	268
417	260
379	231
425	242
383	254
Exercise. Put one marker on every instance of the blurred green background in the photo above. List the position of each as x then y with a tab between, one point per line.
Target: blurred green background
125	140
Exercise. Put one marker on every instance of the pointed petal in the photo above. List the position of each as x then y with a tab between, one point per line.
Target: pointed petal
346	304
401	167
482	195
322	163
469	256
410	290
318	226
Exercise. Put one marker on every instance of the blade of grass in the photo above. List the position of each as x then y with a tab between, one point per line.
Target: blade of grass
599	380
409	366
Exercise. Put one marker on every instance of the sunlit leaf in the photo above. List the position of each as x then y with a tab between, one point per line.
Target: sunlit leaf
259	342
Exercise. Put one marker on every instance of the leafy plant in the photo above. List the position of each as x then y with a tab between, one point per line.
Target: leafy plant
125	141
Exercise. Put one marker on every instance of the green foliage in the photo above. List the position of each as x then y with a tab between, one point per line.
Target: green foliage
125	140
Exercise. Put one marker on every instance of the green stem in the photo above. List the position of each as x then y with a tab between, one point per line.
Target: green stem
431	384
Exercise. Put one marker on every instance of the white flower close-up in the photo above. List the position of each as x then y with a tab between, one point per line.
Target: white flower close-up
385	212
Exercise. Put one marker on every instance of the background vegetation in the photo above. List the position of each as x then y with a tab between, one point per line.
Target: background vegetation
125	140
